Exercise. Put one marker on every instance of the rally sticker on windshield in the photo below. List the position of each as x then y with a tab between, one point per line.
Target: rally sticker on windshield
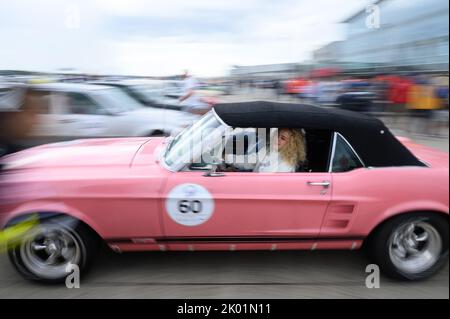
189	204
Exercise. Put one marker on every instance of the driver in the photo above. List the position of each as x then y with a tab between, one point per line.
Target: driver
287	152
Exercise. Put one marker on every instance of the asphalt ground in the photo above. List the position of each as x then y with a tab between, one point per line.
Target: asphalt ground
224	275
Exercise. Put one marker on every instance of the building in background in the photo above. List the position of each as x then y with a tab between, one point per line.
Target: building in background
413	35
329	53
270	71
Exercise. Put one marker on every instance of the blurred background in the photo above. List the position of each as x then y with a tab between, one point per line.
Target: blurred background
80	69
113	68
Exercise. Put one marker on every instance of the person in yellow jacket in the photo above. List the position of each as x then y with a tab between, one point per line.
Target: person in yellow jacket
423	97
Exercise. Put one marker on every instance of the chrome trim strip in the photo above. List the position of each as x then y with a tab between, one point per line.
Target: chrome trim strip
357	155
218	118
397	167
330	165
161	160
236	240
167	167
336	134
425	163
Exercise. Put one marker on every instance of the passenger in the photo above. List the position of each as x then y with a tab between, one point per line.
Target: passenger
287	152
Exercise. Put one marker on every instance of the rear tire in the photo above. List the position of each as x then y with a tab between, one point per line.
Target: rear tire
412	246
46	250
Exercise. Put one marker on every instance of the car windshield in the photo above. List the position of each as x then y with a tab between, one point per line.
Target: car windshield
195	141
118	101
148	93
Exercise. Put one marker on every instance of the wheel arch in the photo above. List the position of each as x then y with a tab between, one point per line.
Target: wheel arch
47	214
383	222
52	215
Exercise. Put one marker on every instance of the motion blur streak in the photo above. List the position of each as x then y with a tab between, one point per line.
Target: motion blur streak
14	234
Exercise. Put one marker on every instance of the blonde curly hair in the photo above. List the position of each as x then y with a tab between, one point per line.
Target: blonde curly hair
294	152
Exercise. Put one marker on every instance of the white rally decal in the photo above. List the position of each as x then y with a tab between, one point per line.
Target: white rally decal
189	204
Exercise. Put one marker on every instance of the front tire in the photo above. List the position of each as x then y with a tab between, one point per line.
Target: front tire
411	246
46	250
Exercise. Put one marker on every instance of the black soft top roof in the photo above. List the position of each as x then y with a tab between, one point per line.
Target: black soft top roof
370	138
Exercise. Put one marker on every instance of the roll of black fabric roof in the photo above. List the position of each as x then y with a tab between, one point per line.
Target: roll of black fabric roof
370	138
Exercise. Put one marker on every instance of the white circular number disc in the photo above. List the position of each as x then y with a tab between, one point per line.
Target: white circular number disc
189	204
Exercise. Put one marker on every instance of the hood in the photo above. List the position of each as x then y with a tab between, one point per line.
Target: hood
77	153
429	155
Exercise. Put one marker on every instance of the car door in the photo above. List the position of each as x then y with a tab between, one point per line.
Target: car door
349	176
46	114
243	205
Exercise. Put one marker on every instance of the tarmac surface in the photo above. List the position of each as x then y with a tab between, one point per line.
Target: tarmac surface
226	275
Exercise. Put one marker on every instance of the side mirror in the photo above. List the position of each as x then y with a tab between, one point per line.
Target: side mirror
213	172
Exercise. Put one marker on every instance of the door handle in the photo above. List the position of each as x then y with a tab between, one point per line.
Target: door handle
325	184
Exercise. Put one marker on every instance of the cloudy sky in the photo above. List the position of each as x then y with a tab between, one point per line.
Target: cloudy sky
163	37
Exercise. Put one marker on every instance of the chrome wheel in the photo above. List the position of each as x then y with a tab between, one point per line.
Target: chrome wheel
415	247
48	249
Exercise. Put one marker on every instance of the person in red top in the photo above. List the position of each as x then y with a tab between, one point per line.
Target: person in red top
398	96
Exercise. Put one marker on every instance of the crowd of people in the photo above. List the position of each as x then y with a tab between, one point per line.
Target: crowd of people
417	102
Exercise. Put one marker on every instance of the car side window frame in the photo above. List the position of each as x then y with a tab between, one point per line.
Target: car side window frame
336	137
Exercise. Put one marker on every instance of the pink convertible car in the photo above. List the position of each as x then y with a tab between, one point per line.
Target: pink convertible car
360	187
